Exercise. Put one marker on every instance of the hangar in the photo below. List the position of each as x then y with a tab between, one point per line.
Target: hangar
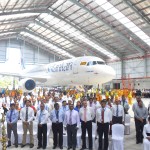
39	32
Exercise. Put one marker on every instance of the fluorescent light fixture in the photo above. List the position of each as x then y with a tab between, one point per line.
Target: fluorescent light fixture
51	46
124	20
68	29
17	16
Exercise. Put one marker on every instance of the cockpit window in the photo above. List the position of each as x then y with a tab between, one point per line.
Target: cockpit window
101	62
90	63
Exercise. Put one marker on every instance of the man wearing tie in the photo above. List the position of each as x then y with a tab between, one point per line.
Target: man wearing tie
27	116
86	115
118	113
57	118
42	118
12	118
71	123
103	117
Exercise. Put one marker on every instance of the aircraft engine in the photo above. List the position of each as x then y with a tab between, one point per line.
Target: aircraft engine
27	84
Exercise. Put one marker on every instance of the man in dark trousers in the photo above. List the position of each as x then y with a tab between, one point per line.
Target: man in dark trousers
118	113
71	123
12	118
86	115
57	118
42	118
141	114
103	117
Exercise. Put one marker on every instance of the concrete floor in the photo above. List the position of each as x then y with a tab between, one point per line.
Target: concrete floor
129	142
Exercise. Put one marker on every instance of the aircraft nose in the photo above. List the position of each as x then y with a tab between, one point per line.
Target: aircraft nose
109	71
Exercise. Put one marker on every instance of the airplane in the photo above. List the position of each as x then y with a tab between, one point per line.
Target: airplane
86	70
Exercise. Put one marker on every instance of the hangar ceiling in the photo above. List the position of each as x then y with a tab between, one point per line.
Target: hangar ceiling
110	29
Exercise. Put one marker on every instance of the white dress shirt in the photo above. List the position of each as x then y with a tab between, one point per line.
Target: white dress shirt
30	114
94	105
89	113
42	117
120	111
146	129
75	119
107	115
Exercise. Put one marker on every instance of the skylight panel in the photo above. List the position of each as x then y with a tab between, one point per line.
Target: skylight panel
123	19
51	46
68	29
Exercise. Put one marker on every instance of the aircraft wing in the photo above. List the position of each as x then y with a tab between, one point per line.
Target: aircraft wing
39	78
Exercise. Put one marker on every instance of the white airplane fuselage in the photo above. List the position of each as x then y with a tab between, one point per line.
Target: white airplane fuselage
87	70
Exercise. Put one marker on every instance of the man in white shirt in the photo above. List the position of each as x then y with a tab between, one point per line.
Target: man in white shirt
71	123
57	118
86	115
42	118
103	117
118	113
125	104
27	116
146	135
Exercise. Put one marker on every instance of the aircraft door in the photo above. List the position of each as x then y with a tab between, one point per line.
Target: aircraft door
75	68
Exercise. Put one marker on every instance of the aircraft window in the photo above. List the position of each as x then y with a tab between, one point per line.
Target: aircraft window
94	62
100	62
90	63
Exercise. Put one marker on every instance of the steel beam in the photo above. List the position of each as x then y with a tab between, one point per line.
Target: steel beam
137	11
109	26
43	24
43	47
44	38
15	30
38	11
99	43
22	21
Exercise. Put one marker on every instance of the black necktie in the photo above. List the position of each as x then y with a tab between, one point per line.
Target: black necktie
10	115
117	111
57	112
27	114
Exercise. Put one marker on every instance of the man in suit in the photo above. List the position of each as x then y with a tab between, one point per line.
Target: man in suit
12	119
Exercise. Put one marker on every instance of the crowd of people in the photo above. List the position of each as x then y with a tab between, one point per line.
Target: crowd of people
68	113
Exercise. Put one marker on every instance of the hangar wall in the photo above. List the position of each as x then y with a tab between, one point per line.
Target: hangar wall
135	71
133	68
31	54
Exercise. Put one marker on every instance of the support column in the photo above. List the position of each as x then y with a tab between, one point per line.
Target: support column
145	67
38	54
122	71
54	58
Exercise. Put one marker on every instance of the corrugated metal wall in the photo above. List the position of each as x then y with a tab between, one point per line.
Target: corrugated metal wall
31	54
134	68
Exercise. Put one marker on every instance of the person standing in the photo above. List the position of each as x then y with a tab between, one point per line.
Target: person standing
27	116
12	119
64	107
86	115
118	113
141	114
104	118
42	118
146	135
125	104
57	118
71	123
